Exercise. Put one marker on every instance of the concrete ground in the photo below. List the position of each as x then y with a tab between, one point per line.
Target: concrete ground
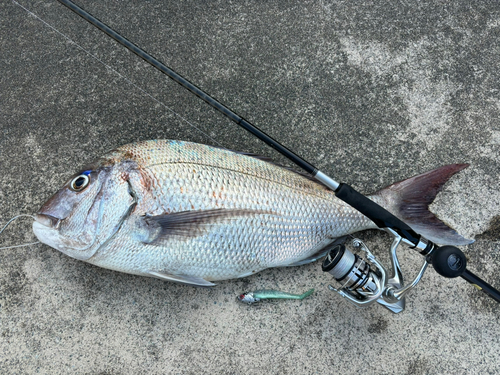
371	92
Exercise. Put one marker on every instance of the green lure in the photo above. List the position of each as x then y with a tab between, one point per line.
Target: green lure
256	296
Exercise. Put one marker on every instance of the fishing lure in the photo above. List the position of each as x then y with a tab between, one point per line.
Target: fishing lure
256	296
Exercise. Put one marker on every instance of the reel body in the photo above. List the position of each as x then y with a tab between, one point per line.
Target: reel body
366	282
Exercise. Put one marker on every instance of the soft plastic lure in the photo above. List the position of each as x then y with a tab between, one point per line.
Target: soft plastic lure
256	296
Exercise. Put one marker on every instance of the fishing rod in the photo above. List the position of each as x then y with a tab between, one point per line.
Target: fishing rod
363	282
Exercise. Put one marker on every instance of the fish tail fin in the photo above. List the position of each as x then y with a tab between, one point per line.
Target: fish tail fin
409	200
306	294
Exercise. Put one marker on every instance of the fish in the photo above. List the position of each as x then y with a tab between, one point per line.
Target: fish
194	214
256	296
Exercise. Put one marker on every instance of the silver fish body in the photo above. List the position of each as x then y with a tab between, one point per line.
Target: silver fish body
192	213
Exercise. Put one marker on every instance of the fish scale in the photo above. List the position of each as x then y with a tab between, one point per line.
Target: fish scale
193	213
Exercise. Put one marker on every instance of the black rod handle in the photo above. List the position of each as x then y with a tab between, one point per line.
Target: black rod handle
376	213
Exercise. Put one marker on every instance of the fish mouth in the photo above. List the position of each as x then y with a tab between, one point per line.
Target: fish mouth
48	221
46	229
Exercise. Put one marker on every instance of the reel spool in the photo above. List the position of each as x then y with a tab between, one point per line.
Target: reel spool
352	272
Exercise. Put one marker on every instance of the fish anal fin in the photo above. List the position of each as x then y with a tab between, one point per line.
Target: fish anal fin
182	279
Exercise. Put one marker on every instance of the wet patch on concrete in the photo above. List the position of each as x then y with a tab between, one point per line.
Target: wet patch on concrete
378	327
418	366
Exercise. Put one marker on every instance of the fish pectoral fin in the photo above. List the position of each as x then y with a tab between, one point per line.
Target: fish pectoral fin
189	224
183	279
320	253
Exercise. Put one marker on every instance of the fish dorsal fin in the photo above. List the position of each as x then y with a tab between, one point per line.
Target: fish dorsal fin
182	279
269	160
189	224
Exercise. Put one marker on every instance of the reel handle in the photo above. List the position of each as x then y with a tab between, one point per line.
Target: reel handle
450	262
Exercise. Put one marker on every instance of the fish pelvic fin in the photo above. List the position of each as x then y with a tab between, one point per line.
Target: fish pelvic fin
181	279
321	253
409	200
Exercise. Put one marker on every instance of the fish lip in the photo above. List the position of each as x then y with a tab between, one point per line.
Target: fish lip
48	220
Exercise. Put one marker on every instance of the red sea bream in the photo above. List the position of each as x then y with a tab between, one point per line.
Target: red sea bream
193	214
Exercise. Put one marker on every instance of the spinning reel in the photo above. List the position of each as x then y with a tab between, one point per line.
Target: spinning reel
366	282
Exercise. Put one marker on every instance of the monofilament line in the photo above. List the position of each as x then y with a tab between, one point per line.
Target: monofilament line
6	225
116	72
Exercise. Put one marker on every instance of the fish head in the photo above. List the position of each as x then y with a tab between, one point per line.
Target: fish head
87	211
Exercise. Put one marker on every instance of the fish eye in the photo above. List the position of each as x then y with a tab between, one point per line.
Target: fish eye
79	182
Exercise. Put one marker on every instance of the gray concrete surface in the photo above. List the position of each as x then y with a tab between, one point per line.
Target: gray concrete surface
369	91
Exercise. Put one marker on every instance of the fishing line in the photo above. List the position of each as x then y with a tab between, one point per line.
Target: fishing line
6	225
118	73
